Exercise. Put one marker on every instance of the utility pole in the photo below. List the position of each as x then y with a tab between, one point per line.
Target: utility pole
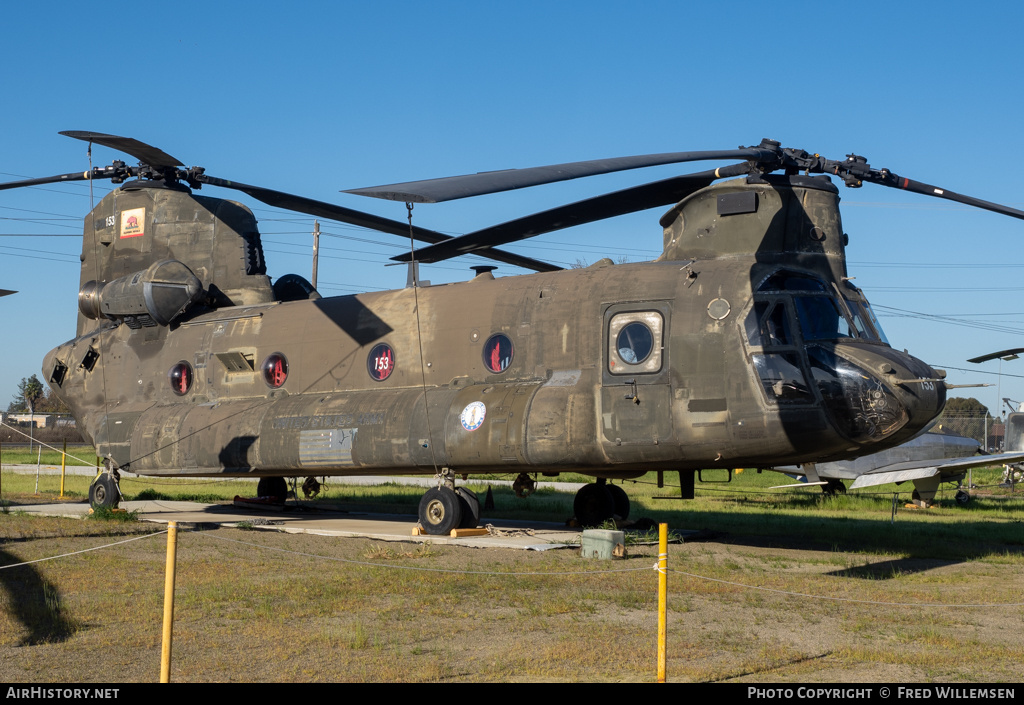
316	249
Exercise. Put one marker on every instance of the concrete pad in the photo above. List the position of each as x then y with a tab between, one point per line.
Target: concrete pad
297	519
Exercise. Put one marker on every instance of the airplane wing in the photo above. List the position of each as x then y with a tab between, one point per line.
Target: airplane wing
919	469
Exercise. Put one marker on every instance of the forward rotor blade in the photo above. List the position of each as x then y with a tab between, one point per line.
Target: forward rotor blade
906	184
609	205
321	209
454	187
140	150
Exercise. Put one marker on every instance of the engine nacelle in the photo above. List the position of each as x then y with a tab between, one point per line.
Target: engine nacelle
154	296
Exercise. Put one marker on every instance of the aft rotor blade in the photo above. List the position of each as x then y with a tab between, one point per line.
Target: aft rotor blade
321	209
117	170
140	150
609	205
75	176
454	187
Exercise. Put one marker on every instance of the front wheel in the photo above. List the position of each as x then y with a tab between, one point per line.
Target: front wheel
440	511
104	492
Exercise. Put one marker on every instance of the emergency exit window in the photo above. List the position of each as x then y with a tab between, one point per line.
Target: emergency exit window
635	341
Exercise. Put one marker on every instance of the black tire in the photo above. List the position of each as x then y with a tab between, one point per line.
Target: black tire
621	501
470	508
962	498
833	488
275	487
440	511
104	493
593	505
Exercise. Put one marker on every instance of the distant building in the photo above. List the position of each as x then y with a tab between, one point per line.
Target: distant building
39	420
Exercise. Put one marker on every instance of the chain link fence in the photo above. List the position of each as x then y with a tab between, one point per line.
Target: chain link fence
980	426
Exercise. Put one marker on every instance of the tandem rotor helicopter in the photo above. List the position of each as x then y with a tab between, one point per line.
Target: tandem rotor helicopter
744	344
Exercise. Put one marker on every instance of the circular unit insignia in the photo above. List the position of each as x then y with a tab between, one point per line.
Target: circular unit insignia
381	362
473	415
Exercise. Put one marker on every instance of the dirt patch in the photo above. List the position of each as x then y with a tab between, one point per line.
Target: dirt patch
255	606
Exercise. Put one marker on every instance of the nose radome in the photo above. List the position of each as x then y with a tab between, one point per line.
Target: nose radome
892	377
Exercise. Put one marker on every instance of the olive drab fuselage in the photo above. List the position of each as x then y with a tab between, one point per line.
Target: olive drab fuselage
743	345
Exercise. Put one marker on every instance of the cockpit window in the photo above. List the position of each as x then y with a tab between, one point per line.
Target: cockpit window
782	378
821	319
768	325
791	281
874	322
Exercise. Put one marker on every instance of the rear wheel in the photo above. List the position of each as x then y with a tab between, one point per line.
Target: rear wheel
275	487
593	505
620	500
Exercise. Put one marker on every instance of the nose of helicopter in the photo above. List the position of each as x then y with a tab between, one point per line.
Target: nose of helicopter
874	394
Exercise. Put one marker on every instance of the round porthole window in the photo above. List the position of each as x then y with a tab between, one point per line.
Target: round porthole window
498	352
381	362
180	378
275	370
634	343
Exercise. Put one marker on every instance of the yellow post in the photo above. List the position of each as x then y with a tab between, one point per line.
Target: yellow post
172	549
63	463
662	597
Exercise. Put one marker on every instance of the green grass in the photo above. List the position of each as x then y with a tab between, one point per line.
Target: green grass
247	612
21	455
748	506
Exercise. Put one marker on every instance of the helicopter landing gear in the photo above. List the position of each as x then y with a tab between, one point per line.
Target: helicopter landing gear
445	508
440	511
105	492
599	502
275	487
470	508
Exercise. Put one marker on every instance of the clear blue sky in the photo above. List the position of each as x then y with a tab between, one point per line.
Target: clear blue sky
313	98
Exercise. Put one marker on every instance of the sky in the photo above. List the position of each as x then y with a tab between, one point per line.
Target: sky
314	98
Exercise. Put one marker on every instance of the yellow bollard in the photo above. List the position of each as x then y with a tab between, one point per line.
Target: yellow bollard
662	598
63	464
172	549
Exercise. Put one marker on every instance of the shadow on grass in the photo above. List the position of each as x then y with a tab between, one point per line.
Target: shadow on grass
932	538
35	602
887	570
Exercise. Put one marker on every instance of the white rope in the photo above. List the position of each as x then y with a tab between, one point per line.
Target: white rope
46	445
84	550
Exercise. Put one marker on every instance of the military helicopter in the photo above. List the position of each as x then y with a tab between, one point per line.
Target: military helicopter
743	345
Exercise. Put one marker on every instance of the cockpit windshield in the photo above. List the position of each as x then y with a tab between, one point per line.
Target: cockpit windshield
821	314
821	319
